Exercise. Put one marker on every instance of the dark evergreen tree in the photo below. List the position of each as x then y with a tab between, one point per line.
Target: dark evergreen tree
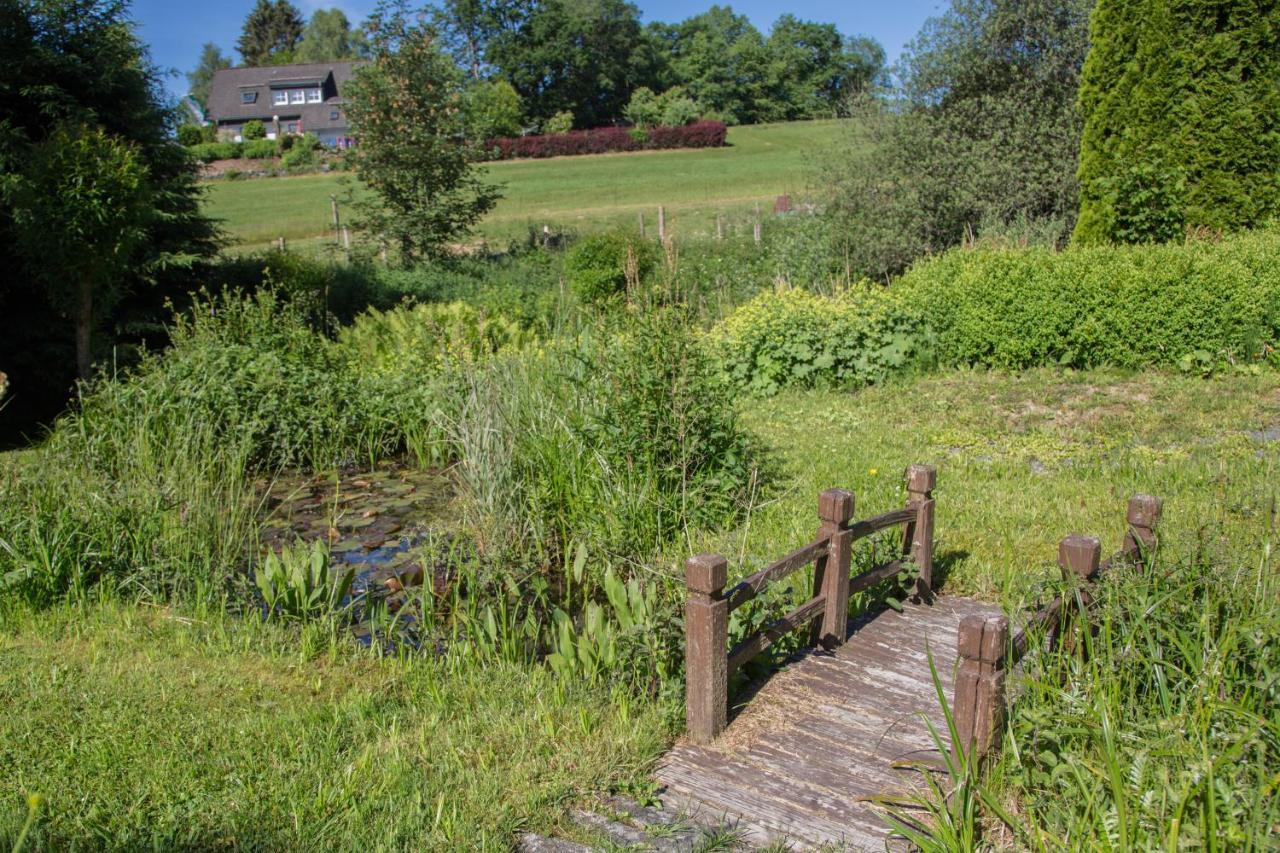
271	32
1181	107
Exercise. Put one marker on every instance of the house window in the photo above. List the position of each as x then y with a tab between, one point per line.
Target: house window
291	127
297	96
281	97
248	97
333	115
313	96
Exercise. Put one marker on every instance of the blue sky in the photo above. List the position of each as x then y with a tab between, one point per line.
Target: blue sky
176	30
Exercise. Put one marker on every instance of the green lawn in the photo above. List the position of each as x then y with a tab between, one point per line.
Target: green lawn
145	727
588	193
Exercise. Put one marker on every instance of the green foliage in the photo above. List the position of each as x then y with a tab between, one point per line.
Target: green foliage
260	149
403	106
422	338
1186	92
300	583
301	155
191	134
981	138
491	109
271	32
791	338
252	130
201	78
328	37
209	152
561	122
78	207
1146	204
603	266
644	109
672	108
1127	306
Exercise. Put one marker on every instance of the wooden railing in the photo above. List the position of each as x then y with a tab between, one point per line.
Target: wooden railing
709	662
985	651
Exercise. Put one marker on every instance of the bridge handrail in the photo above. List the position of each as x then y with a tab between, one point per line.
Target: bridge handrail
708	661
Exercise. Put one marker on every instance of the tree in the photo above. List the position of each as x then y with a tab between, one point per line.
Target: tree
468	27
491	108
1181	107
583	57
79	207
405	107
201	79
722	61
980	137
328	36
813	69
271	32
95	74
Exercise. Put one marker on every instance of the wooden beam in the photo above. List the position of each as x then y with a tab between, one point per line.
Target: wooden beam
706	626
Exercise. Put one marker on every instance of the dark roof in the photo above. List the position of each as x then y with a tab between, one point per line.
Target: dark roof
226	105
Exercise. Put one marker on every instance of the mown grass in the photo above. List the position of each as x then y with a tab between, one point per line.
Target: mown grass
172	726
581	193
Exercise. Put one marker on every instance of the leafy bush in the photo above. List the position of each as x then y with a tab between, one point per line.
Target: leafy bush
406	339
678	109
791	338
192	134
300	582
299	157
208	152
261	149
1129	306
252	130
700	134
561	122
601	266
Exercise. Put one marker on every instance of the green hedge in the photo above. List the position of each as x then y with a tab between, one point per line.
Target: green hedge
1198	304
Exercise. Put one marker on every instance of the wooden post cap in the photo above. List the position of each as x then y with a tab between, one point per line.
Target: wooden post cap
921	478
1080	554
706	573
835	506
1144	511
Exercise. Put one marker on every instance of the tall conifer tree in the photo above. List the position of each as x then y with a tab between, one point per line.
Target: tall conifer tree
1181	107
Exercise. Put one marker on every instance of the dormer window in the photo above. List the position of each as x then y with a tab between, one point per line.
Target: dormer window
333	115
248	97
297	96
313	96
280	97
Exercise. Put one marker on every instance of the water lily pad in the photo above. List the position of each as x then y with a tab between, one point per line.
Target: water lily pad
348	545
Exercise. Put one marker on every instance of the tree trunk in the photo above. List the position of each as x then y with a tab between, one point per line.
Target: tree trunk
84	322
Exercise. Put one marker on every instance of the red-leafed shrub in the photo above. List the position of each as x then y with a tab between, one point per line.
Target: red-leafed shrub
700	134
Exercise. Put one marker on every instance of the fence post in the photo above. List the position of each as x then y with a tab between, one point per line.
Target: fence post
978	700
1140	539
831	571
662	223
642	225
917	540
1079	556
706	656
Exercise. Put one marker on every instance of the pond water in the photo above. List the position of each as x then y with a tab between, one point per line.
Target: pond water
388	523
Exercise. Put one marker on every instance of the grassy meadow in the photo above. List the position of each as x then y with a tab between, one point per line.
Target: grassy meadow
579	193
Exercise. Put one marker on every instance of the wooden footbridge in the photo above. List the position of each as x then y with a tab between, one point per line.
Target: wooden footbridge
815	754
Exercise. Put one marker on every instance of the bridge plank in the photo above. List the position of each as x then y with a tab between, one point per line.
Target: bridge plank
819	738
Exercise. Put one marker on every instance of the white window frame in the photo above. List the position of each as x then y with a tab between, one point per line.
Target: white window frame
280	97
297	96
314	96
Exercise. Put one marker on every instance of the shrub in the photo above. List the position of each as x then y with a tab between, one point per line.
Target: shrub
190	134
700	134
601	266
299	157
792	338
208	152
561	122
678	110
1129	306
644	109
406	339
252	130
261	149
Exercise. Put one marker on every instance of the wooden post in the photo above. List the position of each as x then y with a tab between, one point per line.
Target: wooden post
642	225
280	243
346	241
1078	556
662	223
706	656
917	539
756	227
978	700
1140	539
333	203
719	227
831	571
